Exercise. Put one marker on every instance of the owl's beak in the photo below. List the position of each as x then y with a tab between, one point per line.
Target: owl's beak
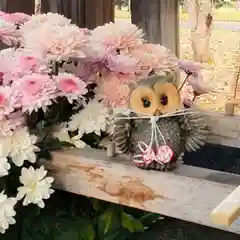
157	112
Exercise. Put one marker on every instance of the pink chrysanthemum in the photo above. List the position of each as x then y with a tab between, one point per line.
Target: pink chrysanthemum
56	43
122	64
189	66
195	79
70	86
6	101
15	64
34	91
8	33
187	95
118	35
154	57
15	18
11	123
114	92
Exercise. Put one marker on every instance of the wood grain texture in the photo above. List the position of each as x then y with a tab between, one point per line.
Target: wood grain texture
224	130
98	12
228	210
159	20
84	13
11	6
177	194
73	9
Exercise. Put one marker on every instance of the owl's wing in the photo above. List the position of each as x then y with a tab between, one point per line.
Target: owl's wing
122	132
196	131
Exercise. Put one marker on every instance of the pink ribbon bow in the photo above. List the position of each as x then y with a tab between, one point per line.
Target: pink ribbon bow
163	154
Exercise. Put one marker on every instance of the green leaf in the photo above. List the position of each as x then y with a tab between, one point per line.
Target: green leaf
96	204
130	223
149	218
108	222
105	221
121	234
90	233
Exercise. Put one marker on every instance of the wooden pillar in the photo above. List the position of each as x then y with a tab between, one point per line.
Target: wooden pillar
73	9
98	12
11	6
160	21
84	13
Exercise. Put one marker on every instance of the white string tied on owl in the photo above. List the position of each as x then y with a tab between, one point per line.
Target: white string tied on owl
162	154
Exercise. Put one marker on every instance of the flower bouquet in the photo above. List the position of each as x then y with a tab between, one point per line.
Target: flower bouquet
59	88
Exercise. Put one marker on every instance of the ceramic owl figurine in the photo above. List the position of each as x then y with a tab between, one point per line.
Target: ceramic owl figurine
158	130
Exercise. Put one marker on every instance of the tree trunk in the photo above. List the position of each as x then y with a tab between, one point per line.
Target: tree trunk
200	16
38	6
185	6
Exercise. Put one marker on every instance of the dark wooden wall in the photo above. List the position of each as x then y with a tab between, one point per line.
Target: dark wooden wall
26	6
85	13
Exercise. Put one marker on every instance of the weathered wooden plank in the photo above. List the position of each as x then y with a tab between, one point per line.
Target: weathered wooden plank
228	210
91	173
224	130
160	21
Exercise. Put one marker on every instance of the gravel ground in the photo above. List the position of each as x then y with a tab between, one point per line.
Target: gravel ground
225	45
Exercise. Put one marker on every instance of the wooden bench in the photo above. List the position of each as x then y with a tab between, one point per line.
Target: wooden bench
189	193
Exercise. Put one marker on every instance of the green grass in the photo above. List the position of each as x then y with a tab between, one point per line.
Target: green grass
222	14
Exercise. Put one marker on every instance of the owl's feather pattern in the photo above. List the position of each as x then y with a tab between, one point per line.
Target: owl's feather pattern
187	132
196	131
121	135
172	133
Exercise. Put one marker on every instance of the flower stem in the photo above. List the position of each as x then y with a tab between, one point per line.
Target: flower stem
183	83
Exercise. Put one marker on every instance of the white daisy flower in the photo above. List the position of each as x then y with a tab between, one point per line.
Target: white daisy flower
19	147
36	186
95	117
61	133
7	212
4	166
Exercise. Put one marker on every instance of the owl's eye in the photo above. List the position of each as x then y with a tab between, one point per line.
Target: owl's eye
118	51
146	102
164	99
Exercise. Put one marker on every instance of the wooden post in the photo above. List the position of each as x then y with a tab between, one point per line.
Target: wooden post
84	13
73	9
11	6
98	12
160	21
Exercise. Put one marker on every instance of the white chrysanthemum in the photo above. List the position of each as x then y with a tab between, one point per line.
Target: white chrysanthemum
36	186
4	166
61	133
37	20
19	147
95	117
55	43
7	212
